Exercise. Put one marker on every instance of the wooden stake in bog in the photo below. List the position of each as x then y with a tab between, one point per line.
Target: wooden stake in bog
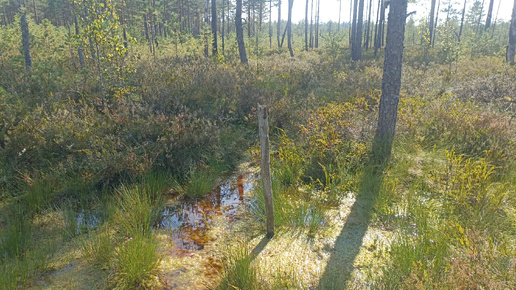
265	167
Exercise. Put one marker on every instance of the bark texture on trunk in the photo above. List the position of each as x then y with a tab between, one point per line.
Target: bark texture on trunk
311	44
489	15
205	29
306	26
289	27
462	20
279	23
391	81
353	26
376	27
316	37
270	24
223	25
35	11
356	45
368	25
240	32
265	164
431	22
214	25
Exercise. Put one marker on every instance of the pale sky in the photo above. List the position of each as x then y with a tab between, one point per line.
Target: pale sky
330	9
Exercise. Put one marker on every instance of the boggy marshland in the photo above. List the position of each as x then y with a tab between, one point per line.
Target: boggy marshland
151	178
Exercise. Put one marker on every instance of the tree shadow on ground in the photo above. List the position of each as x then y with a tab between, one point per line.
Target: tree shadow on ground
259	248
347	246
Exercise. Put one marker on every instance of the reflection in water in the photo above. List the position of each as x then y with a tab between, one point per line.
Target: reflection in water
190	220
87	220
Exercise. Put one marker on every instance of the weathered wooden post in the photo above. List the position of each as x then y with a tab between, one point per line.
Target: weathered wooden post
265	167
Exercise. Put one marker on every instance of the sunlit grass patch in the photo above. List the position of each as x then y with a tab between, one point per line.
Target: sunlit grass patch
452	229
98	247
200	181
136	210
239	271
136	263
291	210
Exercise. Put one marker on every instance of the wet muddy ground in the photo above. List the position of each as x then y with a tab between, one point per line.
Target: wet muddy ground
190	220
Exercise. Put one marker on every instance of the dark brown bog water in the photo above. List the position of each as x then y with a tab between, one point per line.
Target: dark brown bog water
190	220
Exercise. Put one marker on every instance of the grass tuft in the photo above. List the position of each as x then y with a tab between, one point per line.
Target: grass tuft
136	263
239	272
200	181
98	249
137	211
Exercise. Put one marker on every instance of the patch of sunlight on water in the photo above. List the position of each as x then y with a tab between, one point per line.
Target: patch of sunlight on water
189	221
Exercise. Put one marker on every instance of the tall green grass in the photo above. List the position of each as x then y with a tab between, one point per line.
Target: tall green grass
157	183
136	263
137	211
16	236
291	210
21	258
98	247
239	271
452	228
16	273
200	181
39	194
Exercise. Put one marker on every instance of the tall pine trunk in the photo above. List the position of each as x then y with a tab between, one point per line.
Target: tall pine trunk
436	21
214	26
382	23
462	20
477	28
377	28
353	27
205	28
431	22
25	37
279	23
289	27
249	19
240	32
317	24
351	18
356	44
146	26
391	81
223	25
6	22
35	11
270	24
489	15
311	44
306	26
368	25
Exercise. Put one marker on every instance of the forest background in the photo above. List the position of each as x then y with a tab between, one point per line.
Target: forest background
111	106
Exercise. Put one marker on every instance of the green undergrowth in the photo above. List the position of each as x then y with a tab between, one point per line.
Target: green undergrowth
91	167
450	198
242	271
447	193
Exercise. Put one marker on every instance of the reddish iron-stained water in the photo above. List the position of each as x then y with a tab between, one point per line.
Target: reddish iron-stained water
190	220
